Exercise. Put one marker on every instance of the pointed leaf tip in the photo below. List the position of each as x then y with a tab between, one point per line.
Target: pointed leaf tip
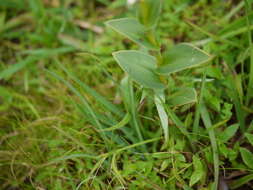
183	56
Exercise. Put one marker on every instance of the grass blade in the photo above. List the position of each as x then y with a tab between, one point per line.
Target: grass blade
7	73
84	102
241	181
108	105
130	104
248	8
207	122
213	36
197	113
181	126
115	169
160	101
240	113
48	52
119	125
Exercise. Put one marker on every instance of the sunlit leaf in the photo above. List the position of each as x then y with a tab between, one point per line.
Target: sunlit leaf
247	157
140	67
132	29
181	57
228	133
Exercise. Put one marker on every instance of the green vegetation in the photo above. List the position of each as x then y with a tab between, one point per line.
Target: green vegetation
104	95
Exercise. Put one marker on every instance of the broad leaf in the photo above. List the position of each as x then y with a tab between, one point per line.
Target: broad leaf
165	164
247	157
131	29
149	12
181	57
228	133
250	138
140	67
198	171
183	96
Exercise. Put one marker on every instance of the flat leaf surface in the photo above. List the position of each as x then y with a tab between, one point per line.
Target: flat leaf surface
183	96
132	29
140	67
198	171
181	57
250	138
228	133
247	157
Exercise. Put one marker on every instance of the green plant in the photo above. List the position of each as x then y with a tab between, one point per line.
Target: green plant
76	126
150	67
